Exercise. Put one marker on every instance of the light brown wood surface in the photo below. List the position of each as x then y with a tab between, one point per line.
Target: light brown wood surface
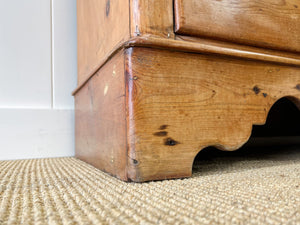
196	45
265	23
180	103
152	18
104	25
146	117
200	45
149	100
101	25
101	120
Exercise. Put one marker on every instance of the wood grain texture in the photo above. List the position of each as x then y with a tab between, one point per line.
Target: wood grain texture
101	120
156	100
179	103
265	23
200	45
152	18
196	45
101	25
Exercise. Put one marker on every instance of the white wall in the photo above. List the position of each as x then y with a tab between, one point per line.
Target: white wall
37	75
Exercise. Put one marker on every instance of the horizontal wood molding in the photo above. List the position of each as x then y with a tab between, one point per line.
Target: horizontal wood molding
194	45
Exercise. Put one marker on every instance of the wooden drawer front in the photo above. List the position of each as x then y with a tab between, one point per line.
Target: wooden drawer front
265	23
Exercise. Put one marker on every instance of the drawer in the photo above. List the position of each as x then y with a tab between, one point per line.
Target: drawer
264	23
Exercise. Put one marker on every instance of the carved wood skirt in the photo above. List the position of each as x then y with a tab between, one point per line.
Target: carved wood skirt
152	106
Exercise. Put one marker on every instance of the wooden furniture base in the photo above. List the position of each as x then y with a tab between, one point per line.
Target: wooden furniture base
147	112
158	81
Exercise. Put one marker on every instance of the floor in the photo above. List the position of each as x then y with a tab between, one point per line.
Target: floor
249	186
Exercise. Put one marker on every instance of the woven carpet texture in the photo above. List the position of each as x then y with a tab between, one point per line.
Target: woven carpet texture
250	187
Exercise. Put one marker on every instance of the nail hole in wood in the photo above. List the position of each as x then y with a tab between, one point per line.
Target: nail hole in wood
256	89
170	142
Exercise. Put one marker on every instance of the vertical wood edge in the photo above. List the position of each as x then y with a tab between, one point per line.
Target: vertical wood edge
132	173
177	10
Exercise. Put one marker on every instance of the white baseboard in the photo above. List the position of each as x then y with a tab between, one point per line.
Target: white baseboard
36	133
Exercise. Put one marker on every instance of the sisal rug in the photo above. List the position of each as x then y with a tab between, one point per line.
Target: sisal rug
243	187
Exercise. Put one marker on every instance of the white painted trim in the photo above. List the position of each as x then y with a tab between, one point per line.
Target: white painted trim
36	133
